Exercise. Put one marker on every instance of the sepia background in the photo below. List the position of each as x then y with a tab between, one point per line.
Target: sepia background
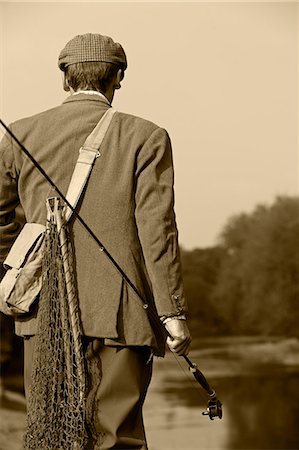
222	78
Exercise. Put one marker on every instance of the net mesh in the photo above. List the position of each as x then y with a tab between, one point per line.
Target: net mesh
56	404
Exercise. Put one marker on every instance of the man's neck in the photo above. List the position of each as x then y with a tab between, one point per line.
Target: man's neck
92	92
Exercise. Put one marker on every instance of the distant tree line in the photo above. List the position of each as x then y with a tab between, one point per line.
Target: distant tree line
249	282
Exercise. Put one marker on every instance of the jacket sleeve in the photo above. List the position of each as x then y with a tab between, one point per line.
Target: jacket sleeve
155	218
9	199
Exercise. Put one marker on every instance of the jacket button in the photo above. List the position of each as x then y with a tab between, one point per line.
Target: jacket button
145	306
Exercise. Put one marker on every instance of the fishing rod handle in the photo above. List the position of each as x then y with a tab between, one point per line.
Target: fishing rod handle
199	376
214	408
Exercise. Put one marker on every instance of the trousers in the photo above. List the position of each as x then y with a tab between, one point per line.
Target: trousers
118	380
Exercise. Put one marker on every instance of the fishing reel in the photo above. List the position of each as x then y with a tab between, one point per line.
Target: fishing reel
214	409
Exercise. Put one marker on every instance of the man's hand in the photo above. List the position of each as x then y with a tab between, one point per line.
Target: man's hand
181	339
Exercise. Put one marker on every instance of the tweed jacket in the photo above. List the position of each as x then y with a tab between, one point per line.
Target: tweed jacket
128	203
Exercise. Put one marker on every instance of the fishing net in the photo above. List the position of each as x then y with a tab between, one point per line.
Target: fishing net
56	404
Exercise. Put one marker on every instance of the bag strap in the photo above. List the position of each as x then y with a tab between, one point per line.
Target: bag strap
87	155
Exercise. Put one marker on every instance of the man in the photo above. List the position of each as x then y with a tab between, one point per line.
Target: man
128	203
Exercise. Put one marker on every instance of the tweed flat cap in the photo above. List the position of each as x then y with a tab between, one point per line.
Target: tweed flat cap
92	47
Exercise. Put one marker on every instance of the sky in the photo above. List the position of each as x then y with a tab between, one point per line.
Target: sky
221	77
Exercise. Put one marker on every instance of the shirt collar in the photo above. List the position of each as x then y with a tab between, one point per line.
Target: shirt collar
90	92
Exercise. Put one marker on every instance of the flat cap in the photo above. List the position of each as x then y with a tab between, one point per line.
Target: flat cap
92	47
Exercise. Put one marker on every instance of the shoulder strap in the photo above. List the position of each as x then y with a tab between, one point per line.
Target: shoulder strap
87	155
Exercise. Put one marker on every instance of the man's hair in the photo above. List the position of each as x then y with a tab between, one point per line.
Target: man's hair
91	75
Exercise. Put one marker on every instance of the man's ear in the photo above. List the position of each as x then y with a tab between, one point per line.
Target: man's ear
66	86
119	77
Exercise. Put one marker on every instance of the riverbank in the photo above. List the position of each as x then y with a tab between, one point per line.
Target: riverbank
246	354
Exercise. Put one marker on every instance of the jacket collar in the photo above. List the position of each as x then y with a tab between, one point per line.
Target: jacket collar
86	97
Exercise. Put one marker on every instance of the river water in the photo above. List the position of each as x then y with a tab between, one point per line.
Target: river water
256	380
259	392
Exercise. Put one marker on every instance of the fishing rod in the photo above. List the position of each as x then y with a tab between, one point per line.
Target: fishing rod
214	408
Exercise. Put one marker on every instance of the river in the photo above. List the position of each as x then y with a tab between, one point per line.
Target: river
257	380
